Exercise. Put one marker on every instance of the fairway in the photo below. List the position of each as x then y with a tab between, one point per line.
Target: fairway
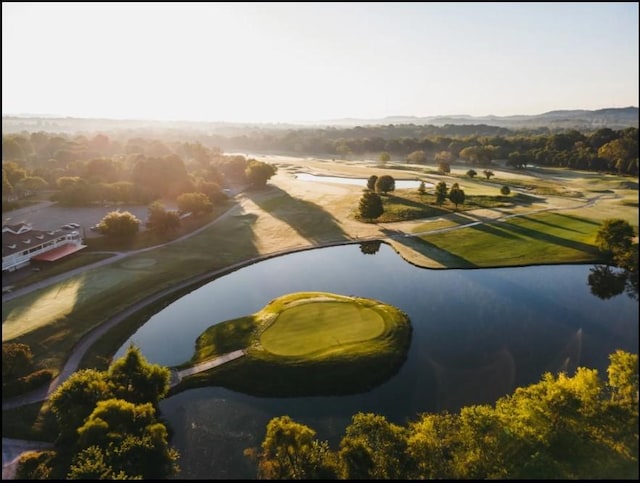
320	326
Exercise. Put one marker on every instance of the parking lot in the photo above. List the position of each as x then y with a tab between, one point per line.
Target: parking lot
51	216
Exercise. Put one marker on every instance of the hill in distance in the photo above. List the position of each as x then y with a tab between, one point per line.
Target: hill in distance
581	119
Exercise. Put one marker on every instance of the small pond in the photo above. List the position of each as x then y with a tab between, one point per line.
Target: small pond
477	335
399	183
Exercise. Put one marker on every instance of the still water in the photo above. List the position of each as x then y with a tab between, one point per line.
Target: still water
477	335
399	183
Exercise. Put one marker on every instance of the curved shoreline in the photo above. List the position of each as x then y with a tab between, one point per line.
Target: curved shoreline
83	345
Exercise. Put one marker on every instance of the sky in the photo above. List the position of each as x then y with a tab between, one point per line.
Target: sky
297	62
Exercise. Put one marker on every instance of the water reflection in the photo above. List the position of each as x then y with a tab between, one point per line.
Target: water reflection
399	183
370	247
477	335
607	282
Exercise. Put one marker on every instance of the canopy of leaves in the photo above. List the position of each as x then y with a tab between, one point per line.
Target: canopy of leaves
370	205
119	224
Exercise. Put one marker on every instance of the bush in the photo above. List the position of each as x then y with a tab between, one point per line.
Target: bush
505	190
27	383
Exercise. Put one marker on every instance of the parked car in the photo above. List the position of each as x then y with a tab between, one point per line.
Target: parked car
74	225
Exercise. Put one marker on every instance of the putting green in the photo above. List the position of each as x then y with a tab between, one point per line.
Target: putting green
319	326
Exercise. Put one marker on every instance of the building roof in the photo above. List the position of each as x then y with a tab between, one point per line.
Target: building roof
59	252
16	239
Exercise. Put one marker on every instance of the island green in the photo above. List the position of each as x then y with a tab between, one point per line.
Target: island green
303	344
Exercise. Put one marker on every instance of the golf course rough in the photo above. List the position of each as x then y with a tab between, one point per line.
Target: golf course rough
307	343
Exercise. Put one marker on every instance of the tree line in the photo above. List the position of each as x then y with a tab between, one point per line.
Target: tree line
563	427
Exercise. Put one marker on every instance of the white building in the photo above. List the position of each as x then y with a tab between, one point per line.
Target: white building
21	244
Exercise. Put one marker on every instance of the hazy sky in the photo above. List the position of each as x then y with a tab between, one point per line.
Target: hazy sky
284	62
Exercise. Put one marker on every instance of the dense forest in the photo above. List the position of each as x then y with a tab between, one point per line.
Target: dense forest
86	168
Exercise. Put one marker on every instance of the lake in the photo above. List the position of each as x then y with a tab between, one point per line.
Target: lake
477	335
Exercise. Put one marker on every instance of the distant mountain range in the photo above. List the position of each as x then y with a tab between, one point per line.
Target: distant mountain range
582	119
614	118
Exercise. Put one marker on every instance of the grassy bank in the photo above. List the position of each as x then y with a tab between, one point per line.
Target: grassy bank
306	344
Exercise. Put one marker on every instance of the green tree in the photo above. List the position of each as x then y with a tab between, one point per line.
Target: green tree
119	224
456	195
92	463
472	173
488	173
623	377
75	399
417	157
136	380
16	360
371	182
444	157
385	183
32	183
384	158
258	172
431	445
161	220
615	237
131	438
441	192
422	189
7	187
194	203
370	206
444	167
290	451
373	448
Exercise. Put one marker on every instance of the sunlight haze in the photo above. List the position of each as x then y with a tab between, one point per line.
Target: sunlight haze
293	62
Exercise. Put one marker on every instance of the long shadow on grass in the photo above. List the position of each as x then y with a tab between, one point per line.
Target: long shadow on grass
554	225
495	230
549	238
308	219
429	250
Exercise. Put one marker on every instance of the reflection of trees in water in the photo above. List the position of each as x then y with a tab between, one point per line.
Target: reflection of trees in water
370	247
606	282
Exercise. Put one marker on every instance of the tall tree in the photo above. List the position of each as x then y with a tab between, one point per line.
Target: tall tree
441	192
456	195
136	380
370	206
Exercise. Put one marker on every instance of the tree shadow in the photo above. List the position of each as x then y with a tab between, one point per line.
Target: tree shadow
309	220
551	239
541	222
429	250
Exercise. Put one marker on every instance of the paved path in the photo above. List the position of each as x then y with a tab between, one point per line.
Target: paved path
204	366
17	446
11	451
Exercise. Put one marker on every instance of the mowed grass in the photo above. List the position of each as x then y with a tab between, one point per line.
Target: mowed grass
538	238
306	343
321	327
